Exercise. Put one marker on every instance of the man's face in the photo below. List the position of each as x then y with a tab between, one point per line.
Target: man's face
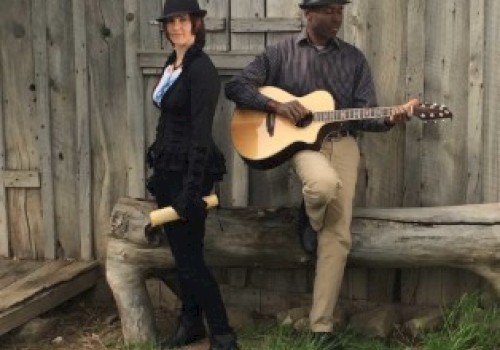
325	21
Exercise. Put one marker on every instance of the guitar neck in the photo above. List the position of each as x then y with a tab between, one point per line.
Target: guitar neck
353	114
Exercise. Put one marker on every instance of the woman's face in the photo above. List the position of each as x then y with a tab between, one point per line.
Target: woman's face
179	30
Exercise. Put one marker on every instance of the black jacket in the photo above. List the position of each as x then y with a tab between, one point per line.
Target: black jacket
184	140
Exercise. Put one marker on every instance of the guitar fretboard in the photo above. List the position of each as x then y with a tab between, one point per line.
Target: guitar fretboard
353	114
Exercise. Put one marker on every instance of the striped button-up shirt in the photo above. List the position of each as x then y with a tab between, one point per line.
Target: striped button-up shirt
299	67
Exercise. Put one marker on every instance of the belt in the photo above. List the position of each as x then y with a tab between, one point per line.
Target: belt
336	135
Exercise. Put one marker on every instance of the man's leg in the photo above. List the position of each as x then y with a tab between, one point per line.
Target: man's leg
334	237
320	184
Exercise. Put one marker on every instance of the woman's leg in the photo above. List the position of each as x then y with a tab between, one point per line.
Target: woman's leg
198	286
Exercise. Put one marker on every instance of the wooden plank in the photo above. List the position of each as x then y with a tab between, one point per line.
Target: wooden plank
357	283
216	23
47	300
21	179
491	167
83	131
475	101
64	146
211	24
238	171
222	60
13	270
108	111
21	126
222	138
150	30
488	214
49	274
135	108
39	19
444	173
382	39
412	173
264	25
414	89
4	225
491	130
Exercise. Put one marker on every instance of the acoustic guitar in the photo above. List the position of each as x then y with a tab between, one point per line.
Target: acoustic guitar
265	140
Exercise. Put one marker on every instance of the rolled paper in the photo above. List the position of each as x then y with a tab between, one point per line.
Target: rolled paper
168	214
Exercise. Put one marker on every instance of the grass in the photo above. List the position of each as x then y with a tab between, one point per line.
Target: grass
285	338
467	326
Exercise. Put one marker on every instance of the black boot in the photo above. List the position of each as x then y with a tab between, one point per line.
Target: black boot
307	236
224	342
188	331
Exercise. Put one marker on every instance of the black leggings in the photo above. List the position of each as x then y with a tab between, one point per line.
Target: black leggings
199	290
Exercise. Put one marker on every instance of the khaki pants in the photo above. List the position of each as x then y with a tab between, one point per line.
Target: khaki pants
328	185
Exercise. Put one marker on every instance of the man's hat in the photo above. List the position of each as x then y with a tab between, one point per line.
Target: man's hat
304	4
176	7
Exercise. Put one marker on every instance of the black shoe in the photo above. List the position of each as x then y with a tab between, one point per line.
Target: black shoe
308	237
224	342
186	333
327	341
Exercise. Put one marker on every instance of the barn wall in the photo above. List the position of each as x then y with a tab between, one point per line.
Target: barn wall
76	118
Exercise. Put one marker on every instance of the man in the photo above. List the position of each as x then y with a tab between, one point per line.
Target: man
311	60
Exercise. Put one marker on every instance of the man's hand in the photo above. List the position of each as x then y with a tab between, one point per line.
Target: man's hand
402	113
292	110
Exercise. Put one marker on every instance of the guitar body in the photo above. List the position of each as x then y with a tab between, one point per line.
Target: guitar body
265	141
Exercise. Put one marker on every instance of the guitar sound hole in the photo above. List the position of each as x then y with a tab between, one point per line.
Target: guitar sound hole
305	122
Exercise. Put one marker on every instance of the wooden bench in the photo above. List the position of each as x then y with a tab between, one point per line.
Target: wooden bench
466	237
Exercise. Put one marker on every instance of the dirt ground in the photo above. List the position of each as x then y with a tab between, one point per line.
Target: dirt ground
83	326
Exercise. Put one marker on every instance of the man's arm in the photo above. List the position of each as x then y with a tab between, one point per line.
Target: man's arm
263	70
243	88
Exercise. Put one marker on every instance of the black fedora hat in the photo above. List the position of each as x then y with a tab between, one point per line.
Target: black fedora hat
315	3
175	7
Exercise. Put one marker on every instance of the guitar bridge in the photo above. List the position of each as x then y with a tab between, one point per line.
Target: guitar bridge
270	123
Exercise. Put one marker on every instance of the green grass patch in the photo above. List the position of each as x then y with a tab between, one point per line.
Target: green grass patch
467	326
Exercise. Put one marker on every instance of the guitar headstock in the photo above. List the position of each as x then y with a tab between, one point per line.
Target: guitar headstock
431	111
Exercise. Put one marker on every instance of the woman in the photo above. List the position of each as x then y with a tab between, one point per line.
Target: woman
186	163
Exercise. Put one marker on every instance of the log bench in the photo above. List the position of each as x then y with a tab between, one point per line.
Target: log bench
466	237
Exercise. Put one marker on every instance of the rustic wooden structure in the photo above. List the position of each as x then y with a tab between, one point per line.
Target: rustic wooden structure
30	288
466	237
75	119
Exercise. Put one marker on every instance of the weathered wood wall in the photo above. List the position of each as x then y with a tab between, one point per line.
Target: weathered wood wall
76	117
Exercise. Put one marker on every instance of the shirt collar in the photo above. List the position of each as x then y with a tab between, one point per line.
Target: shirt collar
302	39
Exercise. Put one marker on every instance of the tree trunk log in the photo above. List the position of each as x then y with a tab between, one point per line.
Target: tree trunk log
465	237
